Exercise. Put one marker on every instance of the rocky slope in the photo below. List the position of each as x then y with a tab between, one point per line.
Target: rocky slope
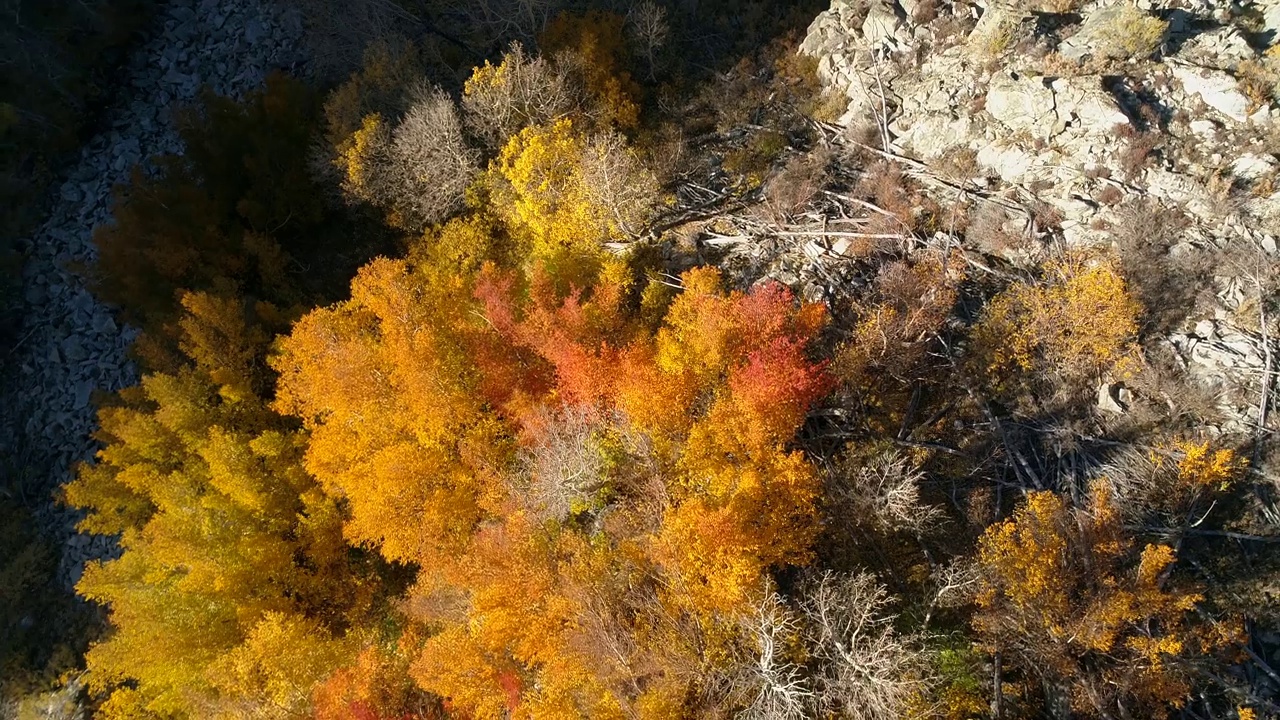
1091	124
71	344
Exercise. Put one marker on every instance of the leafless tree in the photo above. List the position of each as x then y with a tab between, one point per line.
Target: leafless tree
619	183
777	685
566	466
417	171
866	670
529	91
886	492
430	160
338	31
498	20
648	30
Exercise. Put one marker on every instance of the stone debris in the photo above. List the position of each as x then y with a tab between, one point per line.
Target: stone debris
1052	115
71	344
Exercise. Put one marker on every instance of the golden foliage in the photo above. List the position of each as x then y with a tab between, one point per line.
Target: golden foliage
594	45
205	486
1081	322
1061	595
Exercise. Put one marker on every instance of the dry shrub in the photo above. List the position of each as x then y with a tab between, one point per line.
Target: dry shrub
958	163
1170	477
1110	195
1165	393
1168	287
431	161
891	340
993	232
1132	34
800	180
1139	147
1051	6
648	32
521	91
884	185
884	494
925	12
1257	80
567	467
866	670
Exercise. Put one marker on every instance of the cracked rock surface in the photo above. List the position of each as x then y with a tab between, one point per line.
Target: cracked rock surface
71	344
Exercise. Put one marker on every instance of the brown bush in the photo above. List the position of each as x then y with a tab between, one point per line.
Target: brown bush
1168	287
799	181
889	344
1138	149
993	232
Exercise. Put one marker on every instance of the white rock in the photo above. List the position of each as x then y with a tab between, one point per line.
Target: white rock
1271	16
1022	103
1221	48
1011	162
1083	101
1253	167
933	135
1216	88
880	24
1109	398
1204	128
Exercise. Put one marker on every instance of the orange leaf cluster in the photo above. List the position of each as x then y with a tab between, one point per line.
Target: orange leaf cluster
584	497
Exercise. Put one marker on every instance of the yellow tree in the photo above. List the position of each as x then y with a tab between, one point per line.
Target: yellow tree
1066	597
1080	322
231	555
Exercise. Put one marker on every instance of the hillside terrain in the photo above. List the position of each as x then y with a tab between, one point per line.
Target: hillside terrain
392	359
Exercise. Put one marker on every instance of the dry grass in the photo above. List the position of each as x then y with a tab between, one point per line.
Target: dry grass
1132	35
958	164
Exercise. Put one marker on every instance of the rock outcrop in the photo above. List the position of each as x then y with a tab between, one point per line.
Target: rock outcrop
1088	107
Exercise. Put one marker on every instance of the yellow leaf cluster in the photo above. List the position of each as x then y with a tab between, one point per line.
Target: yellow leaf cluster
229	552
1200	467
1081	322
1059	589
547	184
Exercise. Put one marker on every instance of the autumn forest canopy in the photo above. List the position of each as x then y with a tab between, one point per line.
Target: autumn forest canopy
457	403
